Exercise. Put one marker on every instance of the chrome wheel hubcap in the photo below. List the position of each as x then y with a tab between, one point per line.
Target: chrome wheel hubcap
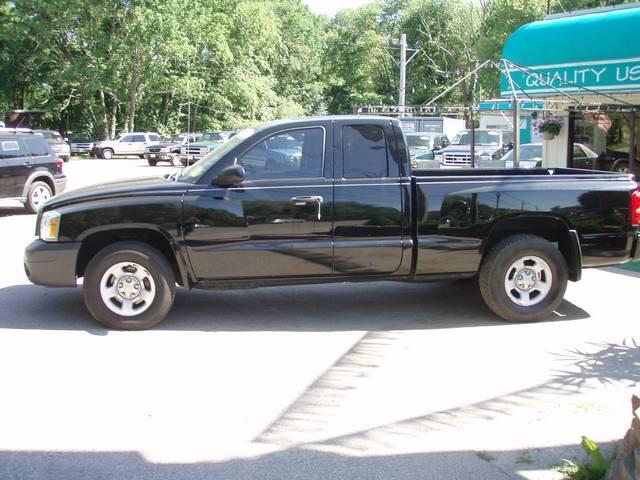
528	281
39	195
127	289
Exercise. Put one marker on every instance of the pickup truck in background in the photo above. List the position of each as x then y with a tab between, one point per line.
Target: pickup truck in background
344	207
490	145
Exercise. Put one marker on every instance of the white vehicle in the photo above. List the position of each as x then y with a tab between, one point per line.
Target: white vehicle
126	144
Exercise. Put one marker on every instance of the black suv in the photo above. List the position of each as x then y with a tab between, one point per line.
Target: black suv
29	170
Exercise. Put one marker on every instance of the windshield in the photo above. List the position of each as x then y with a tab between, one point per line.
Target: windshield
212	137
482	138
419	141
210	159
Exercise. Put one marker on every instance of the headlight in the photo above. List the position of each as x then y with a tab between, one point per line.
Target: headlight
439	157
164	150
50	226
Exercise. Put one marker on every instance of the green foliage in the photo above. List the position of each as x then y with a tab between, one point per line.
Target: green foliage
108	66
593	469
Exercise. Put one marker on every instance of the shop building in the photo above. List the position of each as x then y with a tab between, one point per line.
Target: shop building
582	68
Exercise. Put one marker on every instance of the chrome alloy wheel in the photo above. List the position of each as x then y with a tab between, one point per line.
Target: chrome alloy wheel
528	281
127	289
39	195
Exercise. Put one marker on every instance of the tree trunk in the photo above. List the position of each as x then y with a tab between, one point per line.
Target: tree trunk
114	111
166	97
133	91
103	132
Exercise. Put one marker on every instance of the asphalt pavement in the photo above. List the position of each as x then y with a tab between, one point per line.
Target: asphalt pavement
348	381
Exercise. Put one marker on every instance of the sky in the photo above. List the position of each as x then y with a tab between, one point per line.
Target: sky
330	7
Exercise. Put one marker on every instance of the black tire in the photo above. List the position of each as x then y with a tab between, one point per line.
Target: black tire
152	262
498	268
106	154
175	159
141	156
39	192
152	163
621	166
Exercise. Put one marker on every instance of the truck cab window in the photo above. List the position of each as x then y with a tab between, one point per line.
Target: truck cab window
291	154
364	151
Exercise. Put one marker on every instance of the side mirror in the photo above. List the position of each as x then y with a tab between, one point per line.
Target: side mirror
230	176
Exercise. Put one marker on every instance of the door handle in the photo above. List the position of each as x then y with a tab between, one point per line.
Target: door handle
28	164
307	199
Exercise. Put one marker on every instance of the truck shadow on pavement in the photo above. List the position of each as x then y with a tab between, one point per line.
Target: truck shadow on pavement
335	307
299	463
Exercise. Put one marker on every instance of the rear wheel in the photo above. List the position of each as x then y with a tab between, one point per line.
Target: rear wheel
523	278
39	192
106	154
621	166
152	163
129	286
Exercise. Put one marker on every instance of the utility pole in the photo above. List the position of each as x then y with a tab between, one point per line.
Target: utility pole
403	71
403	68
516	131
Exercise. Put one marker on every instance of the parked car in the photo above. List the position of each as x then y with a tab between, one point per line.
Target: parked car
58	144
489	145
349	210
30	171
423	144
126	144
281	153
169	151
81	143
208	141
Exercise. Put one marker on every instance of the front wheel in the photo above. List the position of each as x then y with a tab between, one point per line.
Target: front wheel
107	154
129	286
523	278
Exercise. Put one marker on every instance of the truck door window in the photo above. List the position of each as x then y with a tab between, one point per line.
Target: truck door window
139	138
127	139
295	153
364	151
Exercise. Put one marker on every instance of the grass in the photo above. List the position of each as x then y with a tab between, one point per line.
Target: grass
487	457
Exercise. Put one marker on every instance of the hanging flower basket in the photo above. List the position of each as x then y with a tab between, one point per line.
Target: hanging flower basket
550	127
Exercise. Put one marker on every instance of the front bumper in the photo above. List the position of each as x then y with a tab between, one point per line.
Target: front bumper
158	156
51	264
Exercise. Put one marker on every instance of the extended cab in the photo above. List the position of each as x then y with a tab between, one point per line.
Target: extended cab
343	207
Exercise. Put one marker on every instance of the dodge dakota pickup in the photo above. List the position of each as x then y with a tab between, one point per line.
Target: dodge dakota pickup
339	204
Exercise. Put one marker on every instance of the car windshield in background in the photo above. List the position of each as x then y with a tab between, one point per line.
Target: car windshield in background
283	142
52	135
177	138
419	141
212	137
482	138
527	152
196	170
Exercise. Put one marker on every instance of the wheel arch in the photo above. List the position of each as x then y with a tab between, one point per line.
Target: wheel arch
551	228
39	176
95	241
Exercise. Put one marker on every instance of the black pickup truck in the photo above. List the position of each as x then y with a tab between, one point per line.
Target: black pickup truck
341	206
